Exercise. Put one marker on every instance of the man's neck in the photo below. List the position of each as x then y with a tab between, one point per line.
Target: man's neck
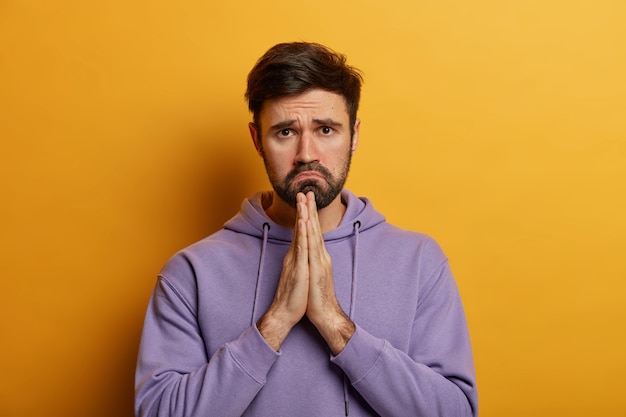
285	215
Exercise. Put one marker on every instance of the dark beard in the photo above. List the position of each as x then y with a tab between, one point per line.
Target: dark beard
324	193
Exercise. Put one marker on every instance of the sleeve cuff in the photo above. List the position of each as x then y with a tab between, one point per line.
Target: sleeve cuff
360	355
253	354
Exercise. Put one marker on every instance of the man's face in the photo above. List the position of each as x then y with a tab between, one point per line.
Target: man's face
306	145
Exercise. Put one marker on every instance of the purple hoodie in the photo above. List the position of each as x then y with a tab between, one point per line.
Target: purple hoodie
202	355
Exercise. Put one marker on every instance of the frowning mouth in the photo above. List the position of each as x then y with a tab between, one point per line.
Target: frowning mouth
308	175
311	171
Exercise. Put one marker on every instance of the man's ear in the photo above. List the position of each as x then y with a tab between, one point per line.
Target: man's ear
355	135
256	137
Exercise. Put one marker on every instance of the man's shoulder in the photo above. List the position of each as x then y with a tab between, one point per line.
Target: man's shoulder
406	239
222	239
400	232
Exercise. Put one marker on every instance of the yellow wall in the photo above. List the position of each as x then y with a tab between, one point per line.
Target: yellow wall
499	127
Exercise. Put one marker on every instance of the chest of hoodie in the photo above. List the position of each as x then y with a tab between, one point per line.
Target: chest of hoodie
379	273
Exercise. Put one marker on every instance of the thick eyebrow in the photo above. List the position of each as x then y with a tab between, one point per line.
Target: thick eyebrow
283	125
288	123
327	122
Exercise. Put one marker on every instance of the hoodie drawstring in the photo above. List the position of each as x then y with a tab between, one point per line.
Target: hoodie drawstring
266	229
357	227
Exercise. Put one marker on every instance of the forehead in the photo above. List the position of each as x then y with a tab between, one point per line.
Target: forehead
311	104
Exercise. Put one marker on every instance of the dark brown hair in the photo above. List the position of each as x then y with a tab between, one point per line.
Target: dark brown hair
289	69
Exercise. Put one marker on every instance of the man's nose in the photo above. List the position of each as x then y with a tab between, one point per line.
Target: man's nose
307	148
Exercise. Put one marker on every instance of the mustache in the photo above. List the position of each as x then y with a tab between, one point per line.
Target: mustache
310	166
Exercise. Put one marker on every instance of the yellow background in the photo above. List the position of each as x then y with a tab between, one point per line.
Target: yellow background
498	127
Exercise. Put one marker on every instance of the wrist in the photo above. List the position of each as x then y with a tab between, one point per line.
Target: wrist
337	331
273	330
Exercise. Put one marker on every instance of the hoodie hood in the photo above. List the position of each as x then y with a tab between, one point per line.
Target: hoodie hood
252	218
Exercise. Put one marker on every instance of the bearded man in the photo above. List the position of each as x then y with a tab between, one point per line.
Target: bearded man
307	302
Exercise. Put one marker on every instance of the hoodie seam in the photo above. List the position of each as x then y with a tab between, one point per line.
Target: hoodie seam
177	293
373	366
436	271
244	368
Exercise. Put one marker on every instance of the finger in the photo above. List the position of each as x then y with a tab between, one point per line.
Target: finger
299	245
298	251
301	215
318	256
311	205
302	208
316	232
313	244
303	218
321	288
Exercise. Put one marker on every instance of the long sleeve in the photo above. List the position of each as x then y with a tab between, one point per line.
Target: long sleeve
174	376
435	377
